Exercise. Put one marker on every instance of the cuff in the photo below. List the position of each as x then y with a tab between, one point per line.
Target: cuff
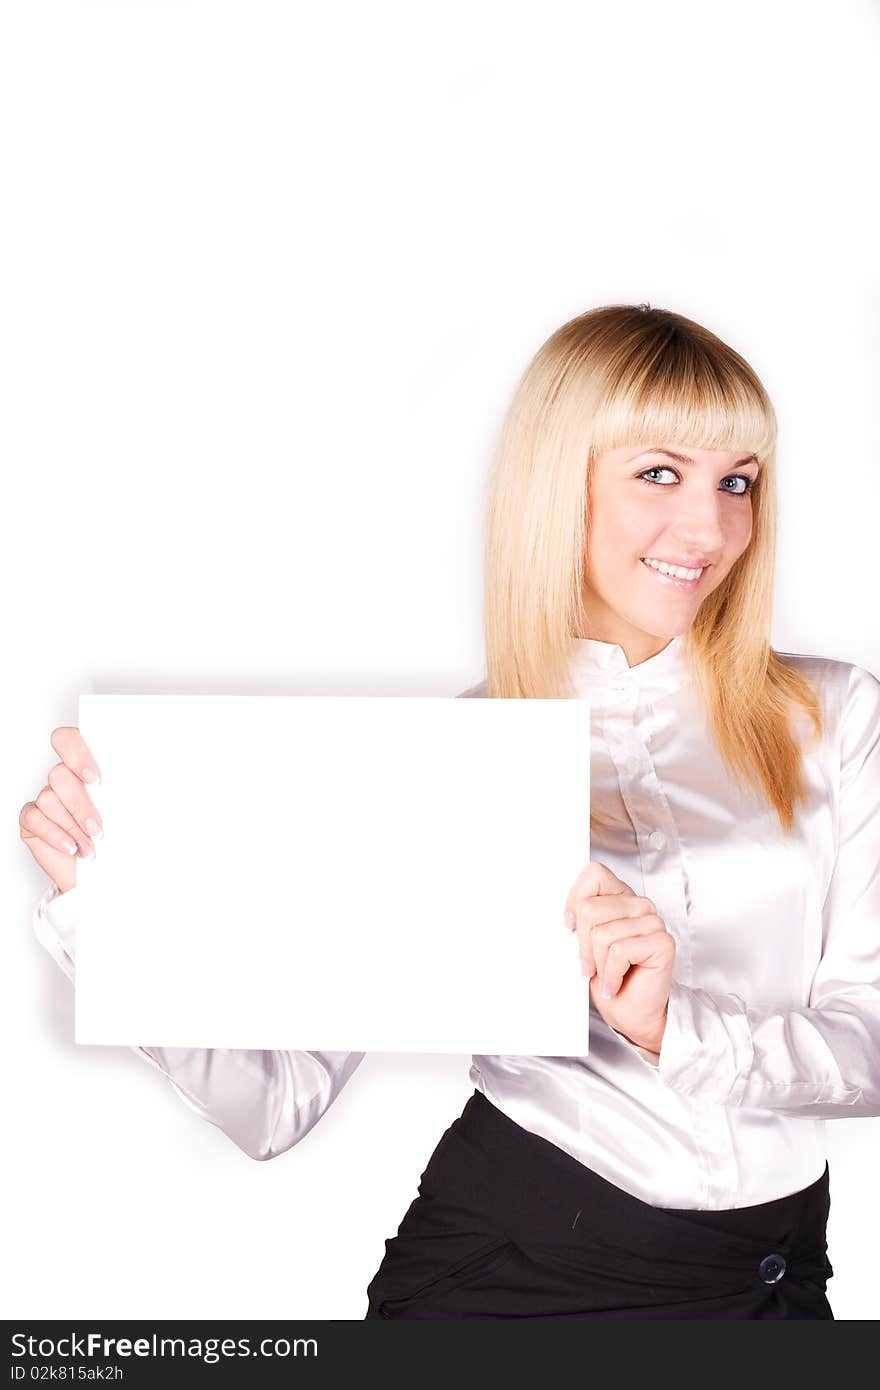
54	923
707	1047
62	909
652	1058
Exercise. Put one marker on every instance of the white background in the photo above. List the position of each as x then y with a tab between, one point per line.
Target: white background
270	275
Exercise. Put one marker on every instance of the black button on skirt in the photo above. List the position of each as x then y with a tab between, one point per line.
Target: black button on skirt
508	1225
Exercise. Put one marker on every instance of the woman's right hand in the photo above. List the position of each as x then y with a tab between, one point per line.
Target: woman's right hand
61	821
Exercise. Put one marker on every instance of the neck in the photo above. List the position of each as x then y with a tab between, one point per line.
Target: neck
636	646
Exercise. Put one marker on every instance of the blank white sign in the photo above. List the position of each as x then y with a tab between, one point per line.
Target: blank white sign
334	873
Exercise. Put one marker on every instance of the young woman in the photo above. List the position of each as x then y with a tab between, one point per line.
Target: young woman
728	921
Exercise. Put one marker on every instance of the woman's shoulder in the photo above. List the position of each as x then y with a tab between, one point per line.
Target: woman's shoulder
830	671
850	693
827	668
473	691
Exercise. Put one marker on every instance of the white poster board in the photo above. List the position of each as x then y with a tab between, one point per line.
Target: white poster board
334	873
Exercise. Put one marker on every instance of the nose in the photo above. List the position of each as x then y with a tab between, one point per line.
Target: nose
699	523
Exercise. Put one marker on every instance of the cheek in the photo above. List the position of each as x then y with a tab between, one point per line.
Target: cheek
738	529
621	526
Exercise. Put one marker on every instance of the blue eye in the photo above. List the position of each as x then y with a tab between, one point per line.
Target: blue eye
748	483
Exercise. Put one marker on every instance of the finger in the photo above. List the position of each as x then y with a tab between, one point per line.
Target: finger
49	804
73	796
594	881
54	809
657	949
603	934
595	878
72	749
593	913
588	964
33	821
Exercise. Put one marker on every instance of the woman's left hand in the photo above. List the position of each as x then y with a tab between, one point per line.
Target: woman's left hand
626	951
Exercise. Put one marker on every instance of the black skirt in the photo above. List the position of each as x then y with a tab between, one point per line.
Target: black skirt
507	1224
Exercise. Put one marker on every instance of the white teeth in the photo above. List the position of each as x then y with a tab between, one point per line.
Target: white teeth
676	571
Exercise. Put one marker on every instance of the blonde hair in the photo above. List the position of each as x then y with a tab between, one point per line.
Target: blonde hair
619	375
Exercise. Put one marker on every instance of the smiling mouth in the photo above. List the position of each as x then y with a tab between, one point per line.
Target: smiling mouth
677	576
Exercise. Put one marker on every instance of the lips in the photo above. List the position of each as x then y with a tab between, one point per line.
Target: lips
695	564
671	580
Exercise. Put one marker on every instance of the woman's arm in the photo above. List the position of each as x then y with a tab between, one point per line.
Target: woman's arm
822	1061
265	1101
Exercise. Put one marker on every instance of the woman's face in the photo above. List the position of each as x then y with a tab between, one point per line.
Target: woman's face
691	509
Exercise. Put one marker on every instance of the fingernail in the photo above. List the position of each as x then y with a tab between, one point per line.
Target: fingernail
90	775
93	828
585	967
569	920
604	991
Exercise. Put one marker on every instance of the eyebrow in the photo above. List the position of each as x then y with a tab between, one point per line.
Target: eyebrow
684	458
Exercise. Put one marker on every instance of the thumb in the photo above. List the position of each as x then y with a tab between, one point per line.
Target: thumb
594	879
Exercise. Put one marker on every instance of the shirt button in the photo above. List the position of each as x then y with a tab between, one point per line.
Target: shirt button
657	840
772	1268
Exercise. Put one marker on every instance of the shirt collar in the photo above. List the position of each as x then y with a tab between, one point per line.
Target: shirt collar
600	669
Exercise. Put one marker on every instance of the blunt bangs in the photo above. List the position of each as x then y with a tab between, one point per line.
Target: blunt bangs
676	393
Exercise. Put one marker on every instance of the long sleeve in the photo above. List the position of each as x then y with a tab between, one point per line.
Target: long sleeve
821	1061
264	1101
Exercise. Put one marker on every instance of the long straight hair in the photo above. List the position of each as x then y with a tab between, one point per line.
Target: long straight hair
620	375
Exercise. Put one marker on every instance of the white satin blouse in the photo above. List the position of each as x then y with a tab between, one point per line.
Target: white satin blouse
774	1011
